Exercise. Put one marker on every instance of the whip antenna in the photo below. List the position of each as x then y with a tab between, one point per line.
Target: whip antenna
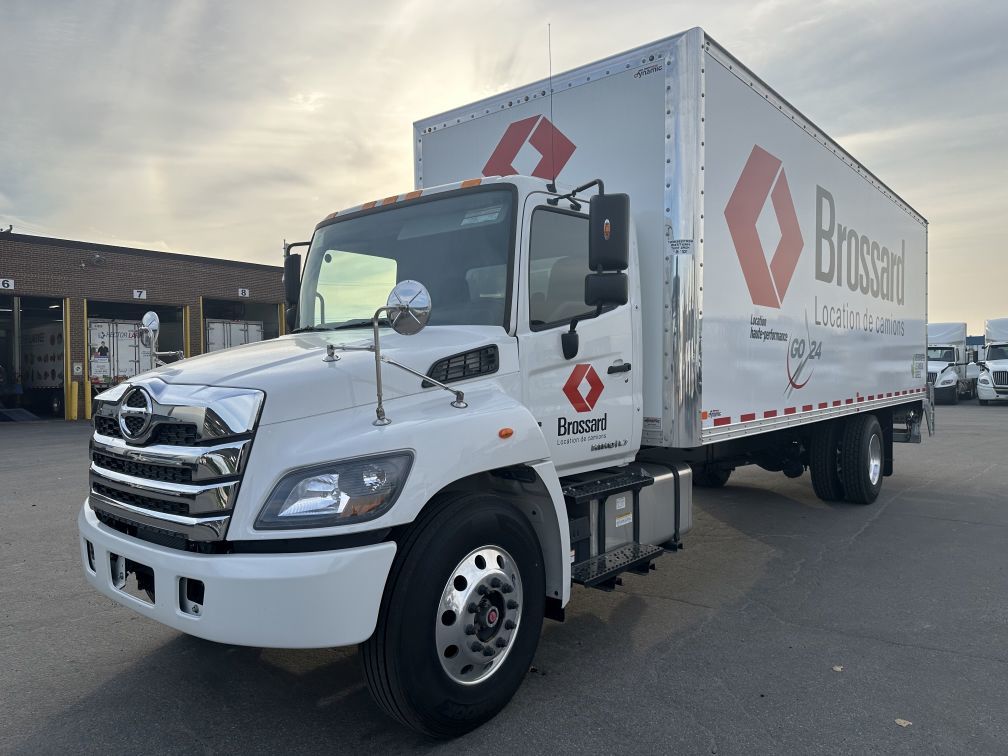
551	186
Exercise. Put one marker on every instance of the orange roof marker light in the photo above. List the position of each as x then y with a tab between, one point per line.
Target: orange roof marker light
413	195
471	182
505	432
391	200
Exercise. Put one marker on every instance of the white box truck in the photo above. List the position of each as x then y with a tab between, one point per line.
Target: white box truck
224	334
992	385
947	363
692	277
115	351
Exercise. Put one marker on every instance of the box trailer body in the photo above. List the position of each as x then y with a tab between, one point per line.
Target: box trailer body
115	351
948	362
781	282
224	334
530	406
992	384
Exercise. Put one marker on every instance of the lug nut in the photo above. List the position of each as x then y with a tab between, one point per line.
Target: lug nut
472	608
509	625
512	604
507	588
481	590
496	583
487	651
501	643
470	629
477	646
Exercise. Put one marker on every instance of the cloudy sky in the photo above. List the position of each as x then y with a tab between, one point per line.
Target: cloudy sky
220	128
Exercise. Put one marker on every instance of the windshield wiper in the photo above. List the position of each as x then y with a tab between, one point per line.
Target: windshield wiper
311	328
357	323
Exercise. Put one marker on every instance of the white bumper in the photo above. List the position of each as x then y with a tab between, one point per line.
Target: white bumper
303	600
990	394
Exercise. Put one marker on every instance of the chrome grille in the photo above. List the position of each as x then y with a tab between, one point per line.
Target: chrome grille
932	377
1000	377
175	482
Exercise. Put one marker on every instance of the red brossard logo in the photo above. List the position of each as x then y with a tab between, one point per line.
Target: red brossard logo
582	389
762	177
554	148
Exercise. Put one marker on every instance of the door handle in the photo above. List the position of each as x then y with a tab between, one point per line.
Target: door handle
622	368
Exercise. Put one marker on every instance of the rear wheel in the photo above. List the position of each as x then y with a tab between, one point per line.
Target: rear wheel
983	402
862	459
460	619
824	462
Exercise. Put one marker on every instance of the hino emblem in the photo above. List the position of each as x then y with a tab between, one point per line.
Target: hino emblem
135	413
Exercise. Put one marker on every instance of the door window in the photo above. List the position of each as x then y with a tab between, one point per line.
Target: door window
558	264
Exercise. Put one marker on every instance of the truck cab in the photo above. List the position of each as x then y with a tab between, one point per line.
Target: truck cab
299	492
992	383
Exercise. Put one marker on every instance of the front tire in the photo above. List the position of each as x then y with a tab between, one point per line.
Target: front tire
862	459
469	572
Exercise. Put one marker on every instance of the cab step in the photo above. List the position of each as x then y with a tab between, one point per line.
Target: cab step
603	571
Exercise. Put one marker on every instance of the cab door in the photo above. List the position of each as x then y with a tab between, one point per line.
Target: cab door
588	406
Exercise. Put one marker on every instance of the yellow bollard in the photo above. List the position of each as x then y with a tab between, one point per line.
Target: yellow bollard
74	394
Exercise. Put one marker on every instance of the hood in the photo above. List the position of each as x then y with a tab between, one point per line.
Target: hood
936	367
297	383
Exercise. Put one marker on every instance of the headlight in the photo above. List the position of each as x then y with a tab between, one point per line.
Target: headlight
947	380
338	493
985	379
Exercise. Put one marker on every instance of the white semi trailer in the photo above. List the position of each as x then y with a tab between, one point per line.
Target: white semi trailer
992	385
692	277
948	362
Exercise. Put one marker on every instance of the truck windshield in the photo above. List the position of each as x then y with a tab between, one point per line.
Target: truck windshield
458	246
941	354
997	352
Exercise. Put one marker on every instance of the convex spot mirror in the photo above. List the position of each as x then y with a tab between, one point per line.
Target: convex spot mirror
149	327
409	307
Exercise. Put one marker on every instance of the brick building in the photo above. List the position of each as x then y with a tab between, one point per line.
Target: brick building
68	311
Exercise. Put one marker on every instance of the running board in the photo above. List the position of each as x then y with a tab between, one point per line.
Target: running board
603	571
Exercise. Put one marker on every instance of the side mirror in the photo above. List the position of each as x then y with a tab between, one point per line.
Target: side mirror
150	325
604	289
609	232
292	289
409	307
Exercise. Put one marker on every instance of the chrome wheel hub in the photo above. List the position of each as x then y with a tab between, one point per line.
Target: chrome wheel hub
875	460
479	614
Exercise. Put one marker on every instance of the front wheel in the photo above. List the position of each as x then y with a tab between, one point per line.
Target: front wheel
862	459
460	618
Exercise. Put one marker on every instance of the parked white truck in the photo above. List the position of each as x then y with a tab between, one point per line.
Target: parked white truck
992	385
947	363
749	294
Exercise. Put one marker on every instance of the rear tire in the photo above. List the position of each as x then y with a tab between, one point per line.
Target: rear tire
411	677
862	459
824	465
983	402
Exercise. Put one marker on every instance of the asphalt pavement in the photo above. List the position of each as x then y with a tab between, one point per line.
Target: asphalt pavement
785	626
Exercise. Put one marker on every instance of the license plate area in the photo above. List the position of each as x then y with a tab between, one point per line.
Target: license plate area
132	578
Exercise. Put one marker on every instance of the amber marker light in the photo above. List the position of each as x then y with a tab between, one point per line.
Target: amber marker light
505	432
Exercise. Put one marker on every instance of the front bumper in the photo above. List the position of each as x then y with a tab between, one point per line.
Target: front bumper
303	600
991	394
946	394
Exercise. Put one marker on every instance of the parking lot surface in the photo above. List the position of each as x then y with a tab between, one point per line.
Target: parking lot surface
786	625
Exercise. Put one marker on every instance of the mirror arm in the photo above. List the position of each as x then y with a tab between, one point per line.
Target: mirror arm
571	194
380	418
459	396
